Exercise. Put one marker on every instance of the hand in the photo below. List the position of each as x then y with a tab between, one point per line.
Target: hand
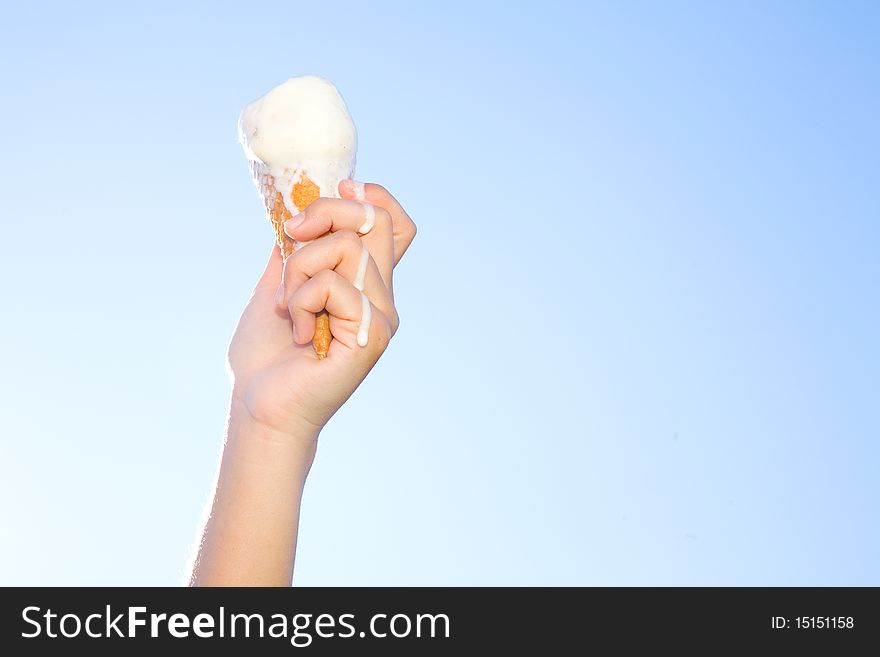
278	380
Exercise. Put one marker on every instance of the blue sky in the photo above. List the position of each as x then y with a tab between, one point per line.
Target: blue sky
639	323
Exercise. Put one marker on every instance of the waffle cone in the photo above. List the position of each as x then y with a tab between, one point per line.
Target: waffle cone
303	194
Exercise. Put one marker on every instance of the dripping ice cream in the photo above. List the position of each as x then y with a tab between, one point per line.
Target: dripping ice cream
300	142
300	131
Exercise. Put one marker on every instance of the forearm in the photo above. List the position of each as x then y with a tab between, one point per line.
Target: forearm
250	536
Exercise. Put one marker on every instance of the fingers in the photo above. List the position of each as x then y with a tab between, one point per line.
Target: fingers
348	272
344	253
354	320
404	229
327	215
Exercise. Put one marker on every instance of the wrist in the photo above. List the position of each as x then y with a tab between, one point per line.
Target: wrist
247	409
293	448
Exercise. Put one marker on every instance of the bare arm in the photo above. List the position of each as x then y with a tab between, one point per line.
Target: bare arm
282	394
249	538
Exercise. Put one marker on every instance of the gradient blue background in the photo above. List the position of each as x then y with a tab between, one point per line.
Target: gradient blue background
665	216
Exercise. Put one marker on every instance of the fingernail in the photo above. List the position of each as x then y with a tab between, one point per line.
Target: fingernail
292	223
295	336
369	219
279	294
357	189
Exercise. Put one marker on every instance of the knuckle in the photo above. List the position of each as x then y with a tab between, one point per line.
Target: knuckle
380	337
384	217
348	239
316	207
393	320
379	189
325	277
387	333
293	260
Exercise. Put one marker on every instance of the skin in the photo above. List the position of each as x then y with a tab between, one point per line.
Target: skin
282	395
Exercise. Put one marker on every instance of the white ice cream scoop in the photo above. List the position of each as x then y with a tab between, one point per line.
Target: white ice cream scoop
301	126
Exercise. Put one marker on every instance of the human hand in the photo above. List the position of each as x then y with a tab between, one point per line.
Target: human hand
278	380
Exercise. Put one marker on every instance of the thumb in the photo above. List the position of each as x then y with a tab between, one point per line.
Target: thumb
271	276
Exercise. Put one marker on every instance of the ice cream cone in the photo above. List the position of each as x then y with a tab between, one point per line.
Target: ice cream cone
301	142
303	193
